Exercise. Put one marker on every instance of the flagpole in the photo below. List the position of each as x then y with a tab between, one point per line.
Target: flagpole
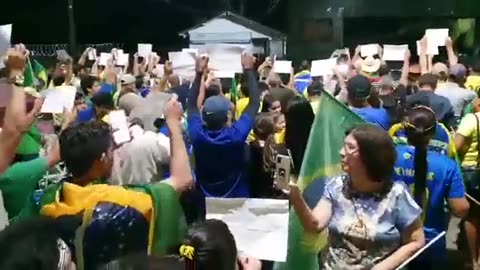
72	43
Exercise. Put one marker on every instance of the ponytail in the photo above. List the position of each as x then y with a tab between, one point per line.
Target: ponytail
419	138
420	175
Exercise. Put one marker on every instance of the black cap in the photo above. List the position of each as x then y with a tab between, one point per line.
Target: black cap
359	87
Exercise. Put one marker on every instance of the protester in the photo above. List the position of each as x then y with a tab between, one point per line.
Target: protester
426	96
373	222
359	89
458	96
467	144
435	178
219	146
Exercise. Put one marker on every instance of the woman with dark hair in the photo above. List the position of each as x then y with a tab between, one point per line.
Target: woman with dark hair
298	119
373	222
210	245
270	104
432	178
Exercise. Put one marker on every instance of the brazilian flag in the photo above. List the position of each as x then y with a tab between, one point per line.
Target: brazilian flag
40	72
29	76
321	161
102	223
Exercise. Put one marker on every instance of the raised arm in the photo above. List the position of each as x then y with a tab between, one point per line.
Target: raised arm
253	106
405	69
452	57
201	65
17	120
181	172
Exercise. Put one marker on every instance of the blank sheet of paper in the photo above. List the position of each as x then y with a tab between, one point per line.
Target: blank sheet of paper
323	67
437	37
282	67
144	49
369	50
394	52
260	226
58	99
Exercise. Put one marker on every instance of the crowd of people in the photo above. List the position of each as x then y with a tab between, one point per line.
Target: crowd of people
75	196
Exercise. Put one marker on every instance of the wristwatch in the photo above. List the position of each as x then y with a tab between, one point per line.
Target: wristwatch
17	80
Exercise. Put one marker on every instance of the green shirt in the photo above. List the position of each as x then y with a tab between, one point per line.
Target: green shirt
19	182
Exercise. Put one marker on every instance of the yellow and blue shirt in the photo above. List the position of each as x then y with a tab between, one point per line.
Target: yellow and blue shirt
442	142
444	181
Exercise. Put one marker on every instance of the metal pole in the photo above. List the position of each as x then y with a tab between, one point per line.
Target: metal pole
72	42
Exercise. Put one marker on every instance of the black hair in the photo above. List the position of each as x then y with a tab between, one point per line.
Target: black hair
59	80
212	90
103	100
315	88
226	84
299	118
268	100
30	244
420	127
377	151
82	144
214	246
87	82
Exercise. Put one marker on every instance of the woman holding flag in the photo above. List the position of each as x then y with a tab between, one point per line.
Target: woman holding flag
373	222
432	178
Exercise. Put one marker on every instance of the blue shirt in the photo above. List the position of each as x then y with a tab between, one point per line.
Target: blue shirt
444	181
442	142
376	116
220	157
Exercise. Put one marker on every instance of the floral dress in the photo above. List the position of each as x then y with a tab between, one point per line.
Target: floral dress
366	228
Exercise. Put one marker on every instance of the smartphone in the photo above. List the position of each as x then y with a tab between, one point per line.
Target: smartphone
283	170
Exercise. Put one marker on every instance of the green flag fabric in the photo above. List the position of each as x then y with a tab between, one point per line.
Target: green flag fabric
40	72
29	76
321	160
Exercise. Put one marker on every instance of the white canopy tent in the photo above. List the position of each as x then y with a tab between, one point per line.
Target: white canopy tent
230	28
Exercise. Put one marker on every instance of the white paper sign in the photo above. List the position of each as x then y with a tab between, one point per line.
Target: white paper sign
260	226
181	60
323	67
431	48
437	37
119	123
224	57
183	63
394	52
224	74
5	36
104	58
92	54
123	59
144	50
368	50
282	66
58	99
